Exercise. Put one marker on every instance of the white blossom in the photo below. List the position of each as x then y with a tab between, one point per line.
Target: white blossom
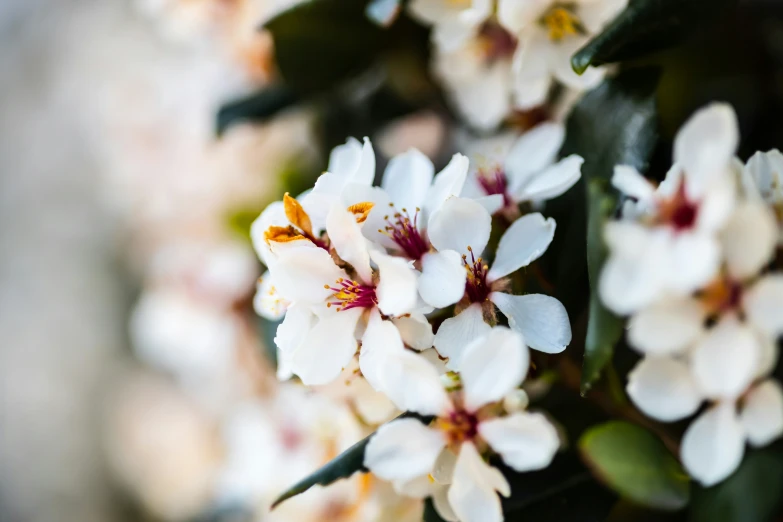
467	423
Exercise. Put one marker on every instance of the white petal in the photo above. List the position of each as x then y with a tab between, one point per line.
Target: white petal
630	182
705	145
724	362
666	328
526	441
492	366
273	215
455	333
749	239
492	203
396	290
472	493
440	501
442	279
364	174
763	304
380	339
663	389
716	205
482	98
693	260
525	241
415	330
763	175
713	445
407	179
294	328
327	348
515	15
403	449
413	384
346	237
533	152
532	70
762	413
344	159
268	303
562	70
542	320
448	183
552	181
420	487
301	273
460	223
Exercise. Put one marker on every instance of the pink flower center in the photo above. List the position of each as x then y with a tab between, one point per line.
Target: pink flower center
678	211
350	294
496	43
459	426
477	287
495	182
404	231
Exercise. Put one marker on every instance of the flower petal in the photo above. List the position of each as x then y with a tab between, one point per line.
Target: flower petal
344	159
301	273
447	184
724	361
515	15
460	223
542	320
440	501
763	175
630	182
364	174
552	181
762	413
348	241
267	301
492	203
492	366
705	145
693	260
526	441
533	152
663	389
666	328
455	333
472	493
713	445
525	241
442	279
407	179
396	290
415	330
294	328
749	239
403	450
763	303
327	348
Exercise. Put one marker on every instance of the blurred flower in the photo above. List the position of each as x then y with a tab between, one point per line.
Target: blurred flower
762	177
467	424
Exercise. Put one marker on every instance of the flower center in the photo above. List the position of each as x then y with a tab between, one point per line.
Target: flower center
561	21
476	287
722	295
459	426
494	181
678	211
496	43
350	294
404	231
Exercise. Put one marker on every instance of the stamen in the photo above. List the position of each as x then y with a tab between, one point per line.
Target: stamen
678	211
282	234
459	426
297	215
351	294
404	231
361	210
494	181
561	22
476	286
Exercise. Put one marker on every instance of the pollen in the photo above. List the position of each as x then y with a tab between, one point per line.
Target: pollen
361	211
282	234
561	22
459	426
351	294
296	215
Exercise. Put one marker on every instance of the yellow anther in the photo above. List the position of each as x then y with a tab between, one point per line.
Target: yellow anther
297	215
361	210
282	235
561	22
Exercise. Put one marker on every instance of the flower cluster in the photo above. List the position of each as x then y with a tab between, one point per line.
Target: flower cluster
498	56
692	262
359	274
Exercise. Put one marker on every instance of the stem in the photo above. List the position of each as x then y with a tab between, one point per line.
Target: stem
615	386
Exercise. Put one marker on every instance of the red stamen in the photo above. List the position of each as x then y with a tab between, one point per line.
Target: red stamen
495	182
476	286
404	231
350	294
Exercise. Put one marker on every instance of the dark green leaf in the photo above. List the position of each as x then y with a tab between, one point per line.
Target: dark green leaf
646	26
257	107
751	494
636	464
430	515
604	328
342	466
321	43
615	124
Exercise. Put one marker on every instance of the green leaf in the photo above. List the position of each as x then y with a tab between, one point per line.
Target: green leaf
342	466
751	494
615	124
321	43
636	464
646	26
604	328
257	107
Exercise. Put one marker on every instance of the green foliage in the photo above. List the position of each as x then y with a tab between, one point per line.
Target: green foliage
636	464
751	494
257	107
646	26
321	43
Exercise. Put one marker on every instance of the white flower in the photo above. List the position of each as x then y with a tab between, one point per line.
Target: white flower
549	33
462	225
522	169
762	177
267	302
467	424
670	245
453	22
